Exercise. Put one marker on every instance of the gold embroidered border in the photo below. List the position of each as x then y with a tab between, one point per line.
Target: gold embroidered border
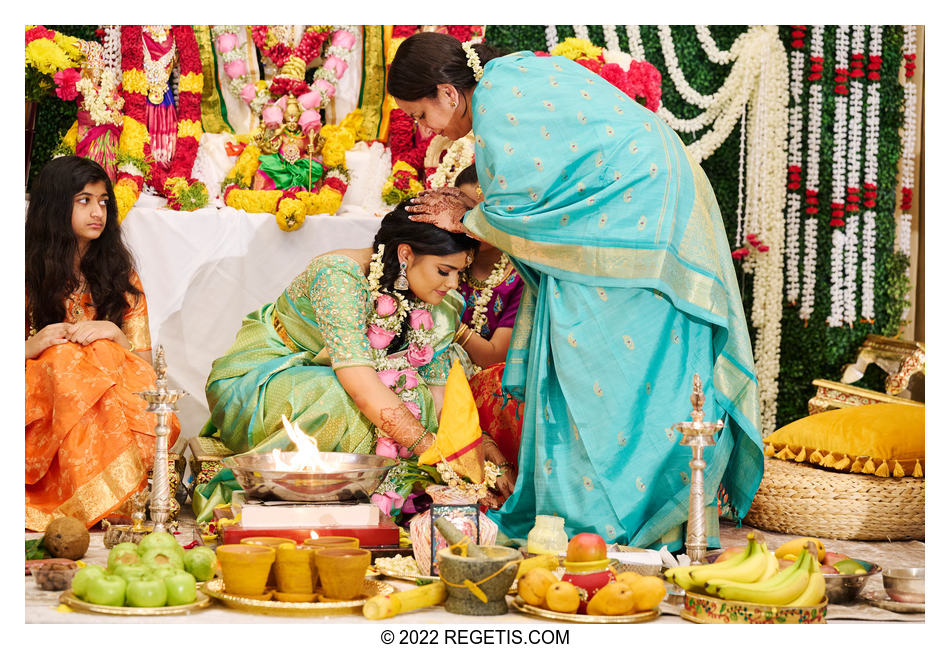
211	114
624	263
102	494
373	91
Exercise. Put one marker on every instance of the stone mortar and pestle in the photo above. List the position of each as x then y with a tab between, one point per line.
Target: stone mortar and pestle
476	584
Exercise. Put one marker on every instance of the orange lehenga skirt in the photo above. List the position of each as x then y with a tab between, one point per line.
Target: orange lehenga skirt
89	441
503	424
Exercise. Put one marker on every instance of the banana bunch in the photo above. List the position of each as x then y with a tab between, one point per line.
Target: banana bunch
754	576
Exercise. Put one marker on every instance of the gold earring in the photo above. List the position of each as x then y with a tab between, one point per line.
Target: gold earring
454	104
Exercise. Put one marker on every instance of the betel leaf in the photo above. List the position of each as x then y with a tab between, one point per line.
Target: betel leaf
36	550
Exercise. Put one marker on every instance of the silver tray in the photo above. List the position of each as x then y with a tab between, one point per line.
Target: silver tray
348	477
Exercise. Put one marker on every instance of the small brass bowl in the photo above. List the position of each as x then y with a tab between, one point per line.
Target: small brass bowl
905	584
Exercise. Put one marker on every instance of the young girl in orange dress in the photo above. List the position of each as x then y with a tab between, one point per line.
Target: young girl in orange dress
89	441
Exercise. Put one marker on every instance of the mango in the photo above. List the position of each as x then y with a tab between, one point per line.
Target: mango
533	585
616	598
850	567
563	597
794	547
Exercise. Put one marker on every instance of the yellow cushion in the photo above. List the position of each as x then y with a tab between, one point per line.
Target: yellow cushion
883	439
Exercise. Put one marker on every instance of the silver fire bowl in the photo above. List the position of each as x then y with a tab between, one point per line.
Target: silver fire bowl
349	477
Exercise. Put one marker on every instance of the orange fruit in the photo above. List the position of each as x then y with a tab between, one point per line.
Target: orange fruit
628	577
648	592
562	597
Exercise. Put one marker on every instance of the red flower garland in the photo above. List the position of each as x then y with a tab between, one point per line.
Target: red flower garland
404	141
189	102
308	49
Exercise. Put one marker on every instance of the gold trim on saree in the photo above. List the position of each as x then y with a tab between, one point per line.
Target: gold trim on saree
282	332
101	495
212	119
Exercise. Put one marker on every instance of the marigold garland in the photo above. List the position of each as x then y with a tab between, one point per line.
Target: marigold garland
166	182
291	207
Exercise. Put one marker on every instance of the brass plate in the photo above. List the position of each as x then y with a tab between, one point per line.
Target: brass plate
535	611
371	588
73	602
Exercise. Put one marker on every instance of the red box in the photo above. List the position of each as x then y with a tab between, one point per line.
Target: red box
382	535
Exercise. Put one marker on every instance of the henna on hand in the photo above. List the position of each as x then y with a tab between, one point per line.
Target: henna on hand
400	424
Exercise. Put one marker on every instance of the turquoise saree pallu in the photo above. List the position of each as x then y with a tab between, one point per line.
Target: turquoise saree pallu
630	290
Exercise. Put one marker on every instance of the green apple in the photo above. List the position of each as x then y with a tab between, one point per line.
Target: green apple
107	590
146	592
202	562
162	558
122	554
164	571
131	573
181	588
163	540
82	577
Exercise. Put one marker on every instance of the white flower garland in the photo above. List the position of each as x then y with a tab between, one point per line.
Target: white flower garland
112	50
473	62
580	31
812	170
459	156
611	40
839	166
765	202
855	156
712	50
793	197
550	36
872	131
484	294
740	213
102	102
634	44
908	144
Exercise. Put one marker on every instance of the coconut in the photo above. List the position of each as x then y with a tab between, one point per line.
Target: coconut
66	537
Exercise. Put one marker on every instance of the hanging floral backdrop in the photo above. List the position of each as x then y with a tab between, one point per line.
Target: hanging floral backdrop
807	134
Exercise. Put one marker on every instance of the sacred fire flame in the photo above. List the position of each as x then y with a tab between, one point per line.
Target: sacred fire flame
307	457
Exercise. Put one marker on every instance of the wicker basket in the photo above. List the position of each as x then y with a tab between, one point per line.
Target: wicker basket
804	500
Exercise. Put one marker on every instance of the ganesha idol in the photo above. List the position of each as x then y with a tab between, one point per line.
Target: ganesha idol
289	140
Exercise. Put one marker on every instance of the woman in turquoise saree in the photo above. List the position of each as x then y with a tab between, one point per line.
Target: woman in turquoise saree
356	351
629	289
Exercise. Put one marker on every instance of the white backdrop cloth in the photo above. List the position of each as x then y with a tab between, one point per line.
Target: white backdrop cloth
203	271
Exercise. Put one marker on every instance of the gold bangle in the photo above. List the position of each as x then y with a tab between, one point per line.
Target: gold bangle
461	330
470	332
131	346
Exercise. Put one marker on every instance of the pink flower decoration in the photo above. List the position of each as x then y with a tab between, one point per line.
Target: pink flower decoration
386	447
388	377
310	120
324	87
310	99
235	68
343	38
248	92
418	356
336	65
272	116
227	42
413	408
412	379
387	501
66	83
379	338
420	318
385	305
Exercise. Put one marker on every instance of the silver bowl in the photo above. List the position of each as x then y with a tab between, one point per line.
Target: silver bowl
348	477
844	589
905	584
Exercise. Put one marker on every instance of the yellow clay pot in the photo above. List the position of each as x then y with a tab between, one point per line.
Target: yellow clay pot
271	541
342	571
294	570
245	567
